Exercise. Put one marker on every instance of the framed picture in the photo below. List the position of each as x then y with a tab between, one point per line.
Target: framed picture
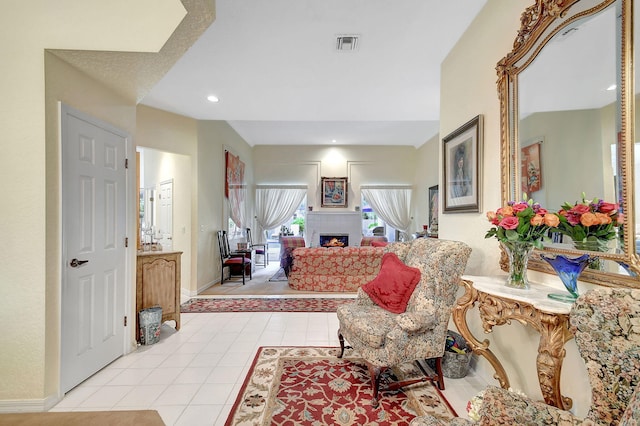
433	209
530	166
234	173
334	192
462	151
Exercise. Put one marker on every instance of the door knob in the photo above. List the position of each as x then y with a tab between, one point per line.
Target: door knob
75	263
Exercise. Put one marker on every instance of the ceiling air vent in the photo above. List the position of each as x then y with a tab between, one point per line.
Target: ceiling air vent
347	43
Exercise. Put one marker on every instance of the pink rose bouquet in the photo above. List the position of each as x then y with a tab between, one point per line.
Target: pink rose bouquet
523	221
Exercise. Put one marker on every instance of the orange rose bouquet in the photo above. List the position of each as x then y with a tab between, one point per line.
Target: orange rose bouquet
590	220
524	221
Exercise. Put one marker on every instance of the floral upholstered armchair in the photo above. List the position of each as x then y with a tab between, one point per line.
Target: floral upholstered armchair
413	323
606	324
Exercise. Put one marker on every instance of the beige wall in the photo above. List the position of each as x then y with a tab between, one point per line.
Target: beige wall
427	174
214	137
362	165
29	165
176	135
468	88
204	143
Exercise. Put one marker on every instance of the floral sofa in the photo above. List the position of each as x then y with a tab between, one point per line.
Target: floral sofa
334	269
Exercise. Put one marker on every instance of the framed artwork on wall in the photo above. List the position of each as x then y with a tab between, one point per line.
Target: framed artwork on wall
433	209
235	188
531	167
234	173
462	151
334	192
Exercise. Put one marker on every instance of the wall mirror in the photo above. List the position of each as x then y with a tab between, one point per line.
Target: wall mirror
567	98
156	205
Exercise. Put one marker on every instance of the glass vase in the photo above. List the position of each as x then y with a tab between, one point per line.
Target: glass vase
568	269
598	245
518	253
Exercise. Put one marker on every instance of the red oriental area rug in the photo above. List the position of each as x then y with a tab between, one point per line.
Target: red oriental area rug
312	386
263	305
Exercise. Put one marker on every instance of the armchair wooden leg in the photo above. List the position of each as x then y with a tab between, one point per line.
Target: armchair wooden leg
374	373
341	339
440	378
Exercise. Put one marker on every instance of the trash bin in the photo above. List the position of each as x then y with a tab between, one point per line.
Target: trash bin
150	320
457	356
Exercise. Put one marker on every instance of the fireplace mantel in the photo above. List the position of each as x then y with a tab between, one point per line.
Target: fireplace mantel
333	222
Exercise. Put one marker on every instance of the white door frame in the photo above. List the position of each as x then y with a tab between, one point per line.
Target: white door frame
160	208
130	182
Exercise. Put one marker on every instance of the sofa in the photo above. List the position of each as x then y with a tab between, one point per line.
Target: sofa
373	241
334	269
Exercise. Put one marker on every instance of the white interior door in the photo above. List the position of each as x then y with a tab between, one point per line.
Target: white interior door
93	246
165	215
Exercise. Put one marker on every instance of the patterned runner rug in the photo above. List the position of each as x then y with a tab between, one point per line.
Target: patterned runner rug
263	305
311	386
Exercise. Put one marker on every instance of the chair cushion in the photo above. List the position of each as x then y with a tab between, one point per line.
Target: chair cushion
393	286
379	243
368	324
237	260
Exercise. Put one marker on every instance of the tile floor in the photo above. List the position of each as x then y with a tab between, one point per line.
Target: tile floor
193	376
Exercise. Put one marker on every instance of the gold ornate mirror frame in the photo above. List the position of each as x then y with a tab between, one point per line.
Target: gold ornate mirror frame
539	23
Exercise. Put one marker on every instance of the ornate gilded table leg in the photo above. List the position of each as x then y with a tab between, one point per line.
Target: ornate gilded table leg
554	333
464	303
496	310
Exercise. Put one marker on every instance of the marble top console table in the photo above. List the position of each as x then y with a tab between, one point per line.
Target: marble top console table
499	305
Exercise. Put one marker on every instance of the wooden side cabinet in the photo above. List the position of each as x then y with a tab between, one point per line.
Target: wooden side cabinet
158	284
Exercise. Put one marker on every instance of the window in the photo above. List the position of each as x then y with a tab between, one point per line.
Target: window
294	225
372	223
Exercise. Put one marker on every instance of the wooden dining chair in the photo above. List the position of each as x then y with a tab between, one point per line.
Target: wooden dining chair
261	248
232	259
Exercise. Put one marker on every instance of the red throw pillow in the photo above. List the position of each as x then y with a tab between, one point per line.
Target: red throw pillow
379	243
393	286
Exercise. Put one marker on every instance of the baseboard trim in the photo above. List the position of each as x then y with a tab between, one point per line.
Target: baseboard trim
28	405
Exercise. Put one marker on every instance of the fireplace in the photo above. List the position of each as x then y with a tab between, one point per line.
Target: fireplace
332	223
334	240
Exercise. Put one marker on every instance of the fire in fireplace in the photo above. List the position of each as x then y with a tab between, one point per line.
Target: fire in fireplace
334	240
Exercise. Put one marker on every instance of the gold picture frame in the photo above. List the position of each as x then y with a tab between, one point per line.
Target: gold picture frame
335	192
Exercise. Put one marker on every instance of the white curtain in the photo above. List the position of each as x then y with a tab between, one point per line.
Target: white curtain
237	204
276	204
392	204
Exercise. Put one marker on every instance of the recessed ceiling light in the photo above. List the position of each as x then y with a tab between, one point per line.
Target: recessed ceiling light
213	98
612	87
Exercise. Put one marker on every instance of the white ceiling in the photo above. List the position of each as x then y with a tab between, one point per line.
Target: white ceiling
280	80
